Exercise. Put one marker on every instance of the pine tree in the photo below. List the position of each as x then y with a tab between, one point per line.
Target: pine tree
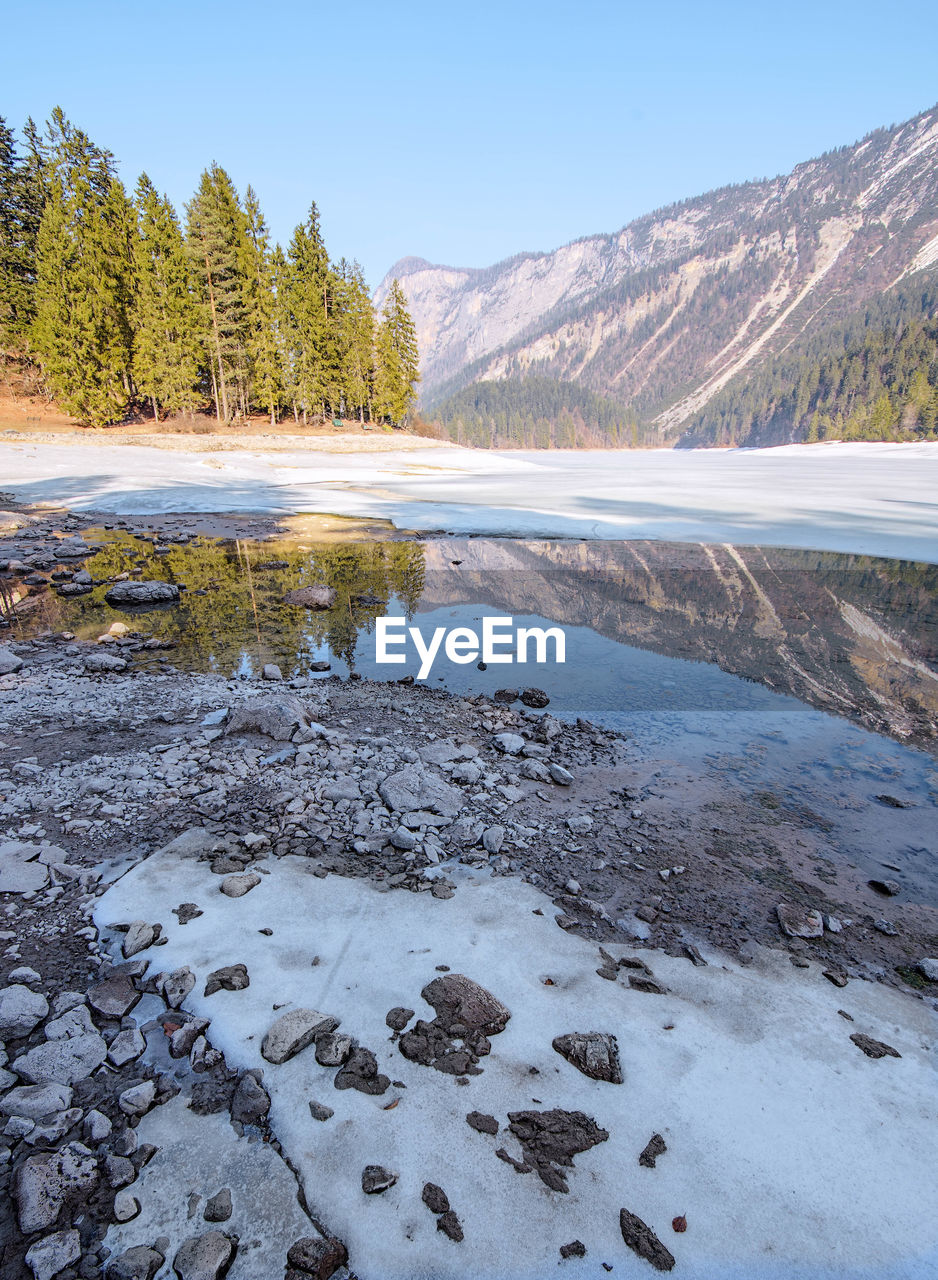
266	380
21	201
307	297
216	231
81	331
397	370
356	321
164	313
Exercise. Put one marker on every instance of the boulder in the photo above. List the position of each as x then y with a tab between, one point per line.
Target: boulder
277	718
642	1240
114	997
138	1099
44	1183
250	1102
9	662
315	597
413	788
799	922
218	1208
138	1263
20	1011
233	977
319	1257
177	985
138	937
509	744
52	1254
376	1179
594	1053
928	968
142	593
293	1031
238	886
34	1101
457	1000
205	1257
21	868
103	662
65	1061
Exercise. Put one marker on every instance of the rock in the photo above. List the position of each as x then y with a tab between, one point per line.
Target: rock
457	999
20	1011
654	1148
126	1047
277	718
509	744
103	662
398	1017
183	1038
138	937
9	662
536	698
126	1206
563	777
333	1049
44	1183
550	1140
928	968
414	788
643	1241
23	973
318	1256
114	997
119	1170
21	870
238	886
250	1102
493	838
482	1123
575	1249
450	1225
218	1209
315	597
138	1099
361	1072
403	839
204	1257
187	911
66	1061
594	1053
888	888
836	976
138	1263
97	1127
886	927
137	593
51	1255
293	1031
435	1198
271	672
177	985
376	1179
874	1048
234	977
798	922
319	1112
74	1022
34	1101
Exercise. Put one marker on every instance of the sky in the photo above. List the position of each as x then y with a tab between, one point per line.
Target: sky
465	133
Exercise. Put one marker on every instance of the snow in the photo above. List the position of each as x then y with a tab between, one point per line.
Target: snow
791	1153
874	499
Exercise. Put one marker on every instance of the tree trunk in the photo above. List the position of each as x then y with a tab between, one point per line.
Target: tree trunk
156	412
221	367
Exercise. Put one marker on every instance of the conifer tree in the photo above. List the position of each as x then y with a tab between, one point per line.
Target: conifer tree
397	369
215	242
164	314
356	327
266	381
307	309
21	201
81	331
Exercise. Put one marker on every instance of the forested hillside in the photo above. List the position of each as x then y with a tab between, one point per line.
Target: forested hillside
122	306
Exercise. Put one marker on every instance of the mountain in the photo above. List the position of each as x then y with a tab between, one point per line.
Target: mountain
667	322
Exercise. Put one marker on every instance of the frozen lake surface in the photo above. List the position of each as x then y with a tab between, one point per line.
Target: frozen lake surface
875	499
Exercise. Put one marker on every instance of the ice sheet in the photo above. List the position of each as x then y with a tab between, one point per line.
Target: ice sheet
791	1153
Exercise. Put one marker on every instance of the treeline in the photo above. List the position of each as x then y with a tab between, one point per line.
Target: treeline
872	377
538	413
122	304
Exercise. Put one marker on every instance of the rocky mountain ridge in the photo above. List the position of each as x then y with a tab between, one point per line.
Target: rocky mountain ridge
663	314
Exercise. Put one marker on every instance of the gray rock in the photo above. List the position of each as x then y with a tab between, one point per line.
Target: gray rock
20	1011
413	788
233	977
654	1147
138	1099
138	937
21	868
74	1022
97	1126
276	718
204	1257
886	927
320	1112
293	1031
250	1102
126	1206
797	922
376	1179
45	1182
134	593
238	886
509	744
177	985
594	1053
493	838
435	1198
126	1047
333	1049
23	973
119	1171
642	1240
401	838
66	1061
928	968
114	997
271	672
34	1101
315	597
182	1040
103	662
47	1257
317	1256
9	662
218	1208
563	777
138	1263
398	1017
536	698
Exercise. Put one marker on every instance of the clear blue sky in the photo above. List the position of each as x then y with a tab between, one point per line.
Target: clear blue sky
466	132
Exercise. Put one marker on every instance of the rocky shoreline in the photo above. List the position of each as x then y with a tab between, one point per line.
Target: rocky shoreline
109	757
